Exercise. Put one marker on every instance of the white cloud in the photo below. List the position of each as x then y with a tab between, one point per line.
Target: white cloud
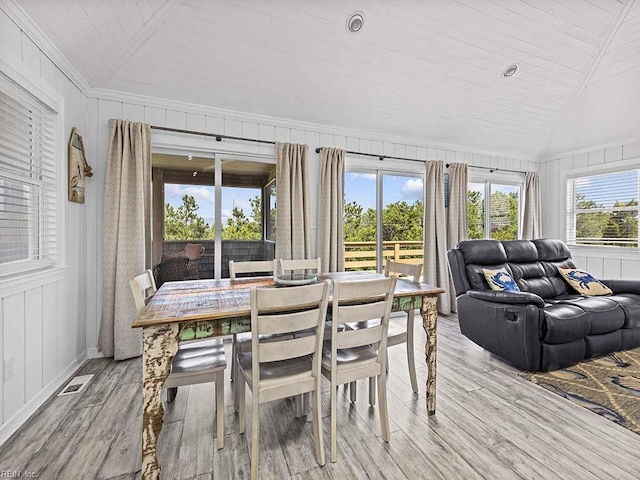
202	195
368	176
226	213
413	188
244	205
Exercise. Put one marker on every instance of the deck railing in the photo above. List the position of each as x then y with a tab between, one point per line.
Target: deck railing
362	255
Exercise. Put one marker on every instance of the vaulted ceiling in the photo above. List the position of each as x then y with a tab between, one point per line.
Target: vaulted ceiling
430	70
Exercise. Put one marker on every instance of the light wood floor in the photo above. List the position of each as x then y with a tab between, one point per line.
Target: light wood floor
490	424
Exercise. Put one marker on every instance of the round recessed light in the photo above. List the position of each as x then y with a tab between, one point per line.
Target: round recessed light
510	71
355	22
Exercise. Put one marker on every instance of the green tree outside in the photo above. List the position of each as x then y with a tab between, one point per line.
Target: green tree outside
401	221
241	227
475	214
184	223
504	216
606	227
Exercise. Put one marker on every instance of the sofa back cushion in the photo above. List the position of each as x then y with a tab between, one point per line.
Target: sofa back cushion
552	254
478	255
520	251
551	250
532	263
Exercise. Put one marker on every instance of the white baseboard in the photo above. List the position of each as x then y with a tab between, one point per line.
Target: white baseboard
22	415
93	352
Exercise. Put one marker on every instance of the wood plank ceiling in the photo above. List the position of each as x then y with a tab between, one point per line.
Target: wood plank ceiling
428	70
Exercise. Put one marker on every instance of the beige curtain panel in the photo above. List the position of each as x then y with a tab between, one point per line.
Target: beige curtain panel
292	198
531	208
435	234
457	212
126	235
331	215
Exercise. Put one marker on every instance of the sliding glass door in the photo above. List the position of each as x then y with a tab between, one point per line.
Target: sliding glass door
383	218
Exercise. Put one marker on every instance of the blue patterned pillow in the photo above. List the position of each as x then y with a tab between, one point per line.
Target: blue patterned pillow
500	280
583	282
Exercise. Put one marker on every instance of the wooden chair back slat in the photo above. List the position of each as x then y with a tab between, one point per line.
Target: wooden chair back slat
254	267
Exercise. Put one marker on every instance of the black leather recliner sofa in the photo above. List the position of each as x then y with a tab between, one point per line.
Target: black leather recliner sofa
545	326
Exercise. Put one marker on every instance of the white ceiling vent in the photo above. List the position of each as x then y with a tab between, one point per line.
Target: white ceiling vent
355	22
510	71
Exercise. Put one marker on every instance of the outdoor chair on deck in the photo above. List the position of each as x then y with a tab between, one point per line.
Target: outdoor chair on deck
193	252
197	361
170	270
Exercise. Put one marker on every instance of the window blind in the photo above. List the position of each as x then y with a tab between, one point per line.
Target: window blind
28	214
603	209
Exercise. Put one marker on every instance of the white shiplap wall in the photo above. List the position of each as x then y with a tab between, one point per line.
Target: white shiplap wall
600	262
43	325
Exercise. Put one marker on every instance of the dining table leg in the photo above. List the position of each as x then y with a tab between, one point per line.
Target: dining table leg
160	344
429	312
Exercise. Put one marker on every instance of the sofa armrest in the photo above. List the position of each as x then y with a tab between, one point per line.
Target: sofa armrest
511	331
501	296
623	286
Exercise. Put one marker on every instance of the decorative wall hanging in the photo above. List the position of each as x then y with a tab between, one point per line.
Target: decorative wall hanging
78	167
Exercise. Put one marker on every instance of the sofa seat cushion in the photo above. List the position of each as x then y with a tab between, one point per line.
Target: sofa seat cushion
605	315
630	304
562	298
564	323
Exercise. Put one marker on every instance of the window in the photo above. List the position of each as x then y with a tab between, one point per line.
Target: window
28	196
190	205
602	209
241	213
188	212
399	235
475	210
496	205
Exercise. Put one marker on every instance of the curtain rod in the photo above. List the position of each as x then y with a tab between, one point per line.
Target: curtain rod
380	157
494	169
217	136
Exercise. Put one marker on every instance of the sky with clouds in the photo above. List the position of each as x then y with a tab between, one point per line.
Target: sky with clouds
361	188
205	198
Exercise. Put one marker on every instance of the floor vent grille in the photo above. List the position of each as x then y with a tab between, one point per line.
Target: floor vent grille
75	385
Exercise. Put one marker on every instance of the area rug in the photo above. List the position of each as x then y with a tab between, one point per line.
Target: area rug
607	385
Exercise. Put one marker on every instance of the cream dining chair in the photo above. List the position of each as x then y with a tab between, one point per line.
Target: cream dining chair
284	366
253	267
197	361
299	265
242	341
349	355
397	334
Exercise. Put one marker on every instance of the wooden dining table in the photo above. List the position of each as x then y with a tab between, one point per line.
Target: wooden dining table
188	310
